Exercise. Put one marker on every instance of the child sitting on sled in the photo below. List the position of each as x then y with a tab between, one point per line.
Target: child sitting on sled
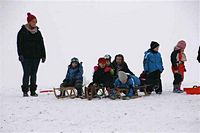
125	81
178	59
74	76
103	75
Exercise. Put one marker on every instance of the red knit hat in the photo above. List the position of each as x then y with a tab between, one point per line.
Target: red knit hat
30	17
102	60
180	45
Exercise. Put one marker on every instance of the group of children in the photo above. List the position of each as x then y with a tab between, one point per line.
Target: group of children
116	74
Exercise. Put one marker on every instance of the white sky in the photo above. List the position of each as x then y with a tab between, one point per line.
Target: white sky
91	29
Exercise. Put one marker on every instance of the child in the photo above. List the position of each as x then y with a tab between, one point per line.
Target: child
74	76
103	74
124	81
178	59
108	60
153	67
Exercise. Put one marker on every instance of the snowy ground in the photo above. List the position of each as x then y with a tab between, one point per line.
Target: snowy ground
170	113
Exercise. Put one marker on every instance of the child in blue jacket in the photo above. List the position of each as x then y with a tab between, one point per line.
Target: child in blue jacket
125	81
74	76
153	67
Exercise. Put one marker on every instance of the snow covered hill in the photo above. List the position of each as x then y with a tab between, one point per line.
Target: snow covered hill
168	113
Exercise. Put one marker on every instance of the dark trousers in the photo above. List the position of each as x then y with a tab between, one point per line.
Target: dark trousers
177	79
153	79
30	68
76	83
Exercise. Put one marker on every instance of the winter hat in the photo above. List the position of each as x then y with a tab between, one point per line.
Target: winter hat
102	61
154	44
30	17
180	45
122	76
108	57
74	59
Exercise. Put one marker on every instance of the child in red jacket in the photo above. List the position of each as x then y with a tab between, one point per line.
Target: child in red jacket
178	59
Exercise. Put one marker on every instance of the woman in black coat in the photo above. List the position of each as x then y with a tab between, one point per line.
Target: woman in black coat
198	57
31	50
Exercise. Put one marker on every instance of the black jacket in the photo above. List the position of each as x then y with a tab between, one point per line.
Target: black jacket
29	45
123	67
198	57
173	58
102	77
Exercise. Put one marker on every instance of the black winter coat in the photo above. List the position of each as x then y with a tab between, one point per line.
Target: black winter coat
198	57
173	58
29	45
123	67
102	77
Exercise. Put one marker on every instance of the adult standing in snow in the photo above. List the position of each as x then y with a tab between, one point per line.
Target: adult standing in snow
31	50
178	59
198	57
153	67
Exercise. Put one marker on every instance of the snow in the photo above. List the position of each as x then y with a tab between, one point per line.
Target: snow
88	30
168	112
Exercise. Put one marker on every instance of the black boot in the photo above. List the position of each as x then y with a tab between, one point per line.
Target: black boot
33	89
25	89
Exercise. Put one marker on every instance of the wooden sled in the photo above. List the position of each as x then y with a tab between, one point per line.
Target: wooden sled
137	88
142	88
95	92
65	92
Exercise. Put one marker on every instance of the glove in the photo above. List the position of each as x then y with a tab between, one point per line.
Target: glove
101	85
43	59
96	68
21	58
107	69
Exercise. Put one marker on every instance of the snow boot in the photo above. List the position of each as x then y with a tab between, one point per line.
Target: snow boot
126	98
177	89
33	89
25	89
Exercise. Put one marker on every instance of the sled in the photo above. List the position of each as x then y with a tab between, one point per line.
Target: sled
64	92
95	92
192	91
46	91
142	88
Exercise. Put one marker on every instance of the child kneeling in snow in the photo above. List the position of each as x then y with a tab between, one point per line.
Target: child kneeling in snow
126	82
74	76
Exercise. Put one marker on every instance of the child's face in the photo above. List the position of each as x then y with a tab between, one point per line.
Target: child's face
107	62
74	64
119	60
124	81
102	65
156	49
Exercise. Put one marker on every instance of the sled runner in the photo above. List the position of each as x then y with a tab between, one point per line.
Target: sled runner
194	90
46	91
64	92
142	88
93	91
